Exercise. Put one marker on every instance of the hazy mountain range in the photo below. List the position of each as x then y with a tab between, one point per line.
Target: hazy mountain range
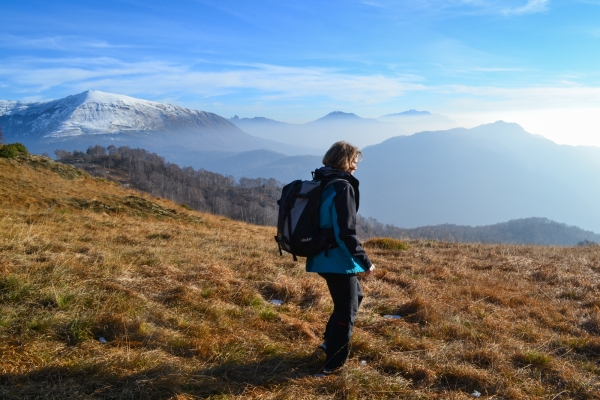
488	174
339	125
481	176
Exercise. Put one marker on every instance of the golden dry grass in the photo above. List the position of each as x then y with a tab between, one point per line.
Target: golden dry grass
182	301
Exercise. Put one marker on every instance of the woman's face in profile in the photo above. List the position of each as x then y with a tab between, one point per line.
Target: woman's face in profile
353	166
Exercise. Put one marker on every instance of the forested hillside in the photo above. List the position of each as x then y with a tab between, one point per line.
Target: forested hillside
248	200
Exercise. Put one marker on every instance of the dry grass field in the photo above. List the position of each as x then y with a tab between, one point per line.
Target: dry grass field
181	299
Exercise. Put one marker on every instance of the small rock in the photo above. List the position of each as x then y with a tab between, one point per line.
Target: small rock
102	340
392	316
476	394
276	302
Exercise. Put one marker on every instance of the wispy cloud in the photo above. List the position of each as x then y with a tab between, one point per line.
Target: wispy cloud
532	6
462	7
38	75
274	84
62	43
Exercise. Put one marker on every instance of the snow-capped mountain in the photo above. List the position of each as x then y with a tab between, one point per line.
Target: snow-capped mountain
182	135
94	112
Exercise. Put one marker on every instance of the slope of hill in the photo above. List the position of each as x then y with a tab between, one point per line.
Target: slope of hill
95	117
480	176
106	293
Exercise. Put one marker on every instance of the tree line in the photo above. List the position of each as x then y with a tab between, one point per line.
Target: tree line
249	200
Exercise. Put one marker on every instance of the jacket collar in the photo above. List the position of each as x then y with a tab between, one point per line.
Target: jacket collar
328	172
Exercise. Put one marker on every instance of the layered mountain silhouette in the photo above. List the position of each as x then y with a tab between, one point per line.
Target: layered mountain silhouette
485	175
339	125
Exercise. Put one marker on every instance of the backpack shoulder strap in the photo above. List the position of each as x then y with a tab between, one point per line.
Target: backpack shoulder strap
326	183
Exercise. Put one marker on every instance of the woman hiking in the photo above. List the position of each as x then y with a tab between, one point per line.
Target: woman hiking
345	258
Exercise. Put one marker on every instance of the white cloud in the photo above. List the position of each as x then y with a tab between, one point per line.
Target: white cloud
532	6
35	75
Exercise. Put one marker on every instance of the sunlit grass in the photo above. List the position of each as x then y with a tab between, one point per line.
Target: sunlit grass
182	301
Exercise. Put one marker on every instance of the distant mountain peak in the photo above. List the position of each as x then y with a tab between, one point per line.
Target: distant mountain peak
408	113
339	116
254	121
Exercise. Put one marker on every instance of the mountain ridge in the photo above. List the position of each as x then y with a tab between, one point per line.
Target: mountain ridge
479	176
95	112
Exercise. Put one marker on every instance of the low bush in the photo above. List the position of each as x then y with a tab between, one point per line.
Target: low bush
13	150
386	244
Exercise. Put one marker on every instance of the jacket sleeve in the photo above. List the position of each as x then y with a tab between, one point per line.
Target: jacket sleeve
345	207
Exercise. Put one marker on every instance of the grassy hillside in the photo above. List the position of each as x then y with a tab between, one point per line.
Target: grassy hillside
181	299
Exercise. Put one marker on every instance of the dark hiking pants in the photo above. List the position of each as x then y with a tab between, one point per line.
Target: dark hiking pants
347	295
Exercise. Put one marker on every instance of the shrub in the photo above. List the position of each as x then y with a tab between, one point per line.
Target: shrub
13	150
386	244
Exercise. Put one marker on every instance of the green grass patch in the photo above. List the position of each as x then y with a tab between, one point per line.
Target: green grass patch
12	289
269	315
533	358
386	244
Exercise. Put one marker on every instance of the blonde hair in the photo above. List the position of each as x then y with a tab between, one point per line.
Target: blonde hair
341	155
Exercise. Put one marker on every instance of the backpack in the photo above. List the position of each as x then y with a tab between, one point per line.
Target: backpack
298	229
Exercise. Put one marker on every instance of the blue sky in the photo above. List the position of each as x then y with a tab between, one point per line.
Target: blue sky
534	62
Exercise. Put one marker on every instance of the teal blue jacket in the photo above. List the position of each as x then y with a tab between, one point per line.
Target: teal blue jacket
339	204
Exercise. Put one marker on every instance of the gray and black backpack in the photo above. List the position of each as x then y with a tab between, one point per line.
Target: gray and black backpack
298	231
